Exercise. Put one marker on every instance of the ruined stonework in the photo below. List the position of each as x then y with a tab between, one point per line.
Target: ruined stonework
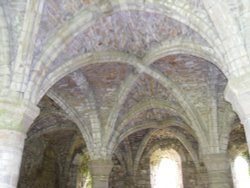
89	89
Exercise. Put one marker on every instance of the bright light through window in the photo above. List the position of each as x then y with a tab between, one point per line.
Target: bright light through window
166	169
241	172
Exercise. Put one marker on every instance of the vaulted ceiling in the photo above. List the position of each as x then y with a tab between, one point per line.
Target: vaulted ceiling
115	68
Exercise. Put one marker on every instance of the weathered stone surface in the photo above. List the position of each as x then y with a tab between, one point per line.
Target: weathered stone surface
127	77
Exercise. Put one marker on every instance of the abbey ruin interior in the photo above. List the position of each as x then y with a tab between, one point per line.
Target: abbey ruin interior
124	93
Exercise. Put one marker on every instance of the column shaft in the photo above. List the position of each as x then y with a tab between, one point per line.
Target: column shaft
219	173
11	149
15	119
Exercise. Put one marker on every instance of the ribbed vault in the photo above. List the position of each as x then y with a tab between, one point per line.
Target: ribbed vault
119	79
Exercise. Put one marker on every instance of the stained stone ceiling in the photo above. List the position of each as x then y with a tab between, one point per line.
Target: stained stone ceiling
149	139
199	80
118	79
51	118
133	32
181	93
95	89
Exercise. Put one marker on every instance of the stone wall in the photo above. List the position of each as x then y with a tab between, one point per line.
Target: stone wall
127	174
54	161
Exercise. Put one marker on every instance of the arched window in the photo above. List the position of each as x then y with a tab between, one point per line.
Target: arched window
166	171
241	172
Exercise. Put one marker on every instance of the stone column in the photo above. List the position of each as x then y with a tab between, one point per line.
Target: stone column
201	176
238	94
100	170
218	168
15	119
11	148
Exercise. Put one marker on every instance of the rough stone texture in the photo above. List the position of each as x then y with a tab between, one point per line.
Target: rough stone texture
198	86
139	176
16	13
237	146
54	154
56	13
95	89
118	68
100	170
10	156
237	142
133	32
219	173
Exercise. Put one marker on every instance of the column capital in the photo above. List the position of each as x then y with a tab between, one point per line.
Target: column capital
17	114
216	161
100	170
100	167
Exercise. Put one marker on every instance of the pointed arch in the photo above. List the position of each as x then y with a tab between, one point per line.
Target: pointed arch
26	43
235	55
104	57
75	118
87	18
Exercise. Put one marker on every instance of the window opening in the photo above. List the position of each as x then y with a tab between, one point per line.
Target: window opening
166	170
241	172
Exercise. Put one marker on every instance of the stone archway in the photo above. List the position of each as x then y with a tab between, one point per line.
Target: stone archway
55	154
